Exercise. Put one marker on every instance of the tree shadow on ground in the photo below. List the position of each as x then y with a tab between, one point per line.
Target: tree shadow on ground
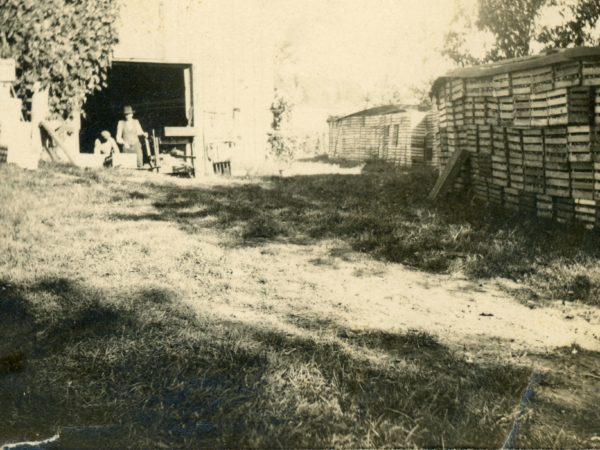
387	215
139	370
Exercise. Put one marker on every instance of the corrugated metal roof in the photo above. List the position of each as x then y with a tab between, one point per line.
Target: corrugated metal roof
377	111
523	63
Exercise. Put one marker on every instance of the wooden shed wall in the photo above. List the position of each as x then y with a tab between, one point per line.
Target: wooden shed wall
532	136
392	137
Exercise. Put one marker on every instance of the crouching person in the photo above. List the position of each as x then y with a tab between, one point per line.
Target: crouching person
106	145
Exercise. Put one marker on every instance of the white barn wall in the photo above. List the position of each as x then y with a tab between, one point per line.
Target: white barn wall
232	59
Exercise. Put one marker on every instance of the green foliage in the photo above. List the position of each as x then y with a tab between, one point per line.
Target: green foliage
579	21
65	45
513	26
282	146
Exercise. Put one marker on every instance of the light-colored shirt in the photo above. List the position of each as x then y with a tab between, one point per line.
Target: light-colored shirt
128	132
105	148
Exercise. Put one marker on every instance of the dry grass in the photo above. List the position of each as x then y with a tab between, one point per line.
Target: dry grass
97	341
385	213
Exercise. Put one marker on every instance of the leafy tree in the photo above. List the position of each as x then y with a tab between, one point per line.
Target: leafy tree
577	29
513	27
282	146
512	24
65	45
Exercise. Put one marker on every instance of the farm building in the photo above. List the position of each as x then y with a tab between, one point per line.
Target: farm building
528	129
197	73
199	76
393	133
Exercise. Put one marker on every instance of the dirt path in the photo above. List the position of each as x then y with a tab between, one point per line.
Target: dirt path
286	284
294	287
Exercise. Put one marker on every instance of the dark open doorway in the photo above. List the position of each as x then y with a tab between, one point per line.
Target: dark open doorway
159	93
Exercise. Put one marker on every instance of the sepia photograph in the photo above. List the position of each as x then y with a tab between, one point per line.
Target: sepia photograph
299	224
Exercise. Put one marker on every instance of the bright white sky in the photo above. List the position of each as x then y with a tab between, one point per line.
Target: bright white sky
341	50
339	53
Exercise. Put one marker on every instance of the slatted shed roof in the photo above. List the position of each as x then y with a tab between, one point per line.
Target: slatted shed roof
523	63
378	110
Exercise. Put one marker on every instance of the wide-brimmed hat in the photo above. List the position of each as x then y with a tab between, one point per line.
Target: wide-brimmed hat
127	110
105	134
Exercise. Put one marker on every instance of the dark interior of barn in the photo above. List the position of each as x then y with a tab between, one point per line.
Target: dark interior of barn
157	93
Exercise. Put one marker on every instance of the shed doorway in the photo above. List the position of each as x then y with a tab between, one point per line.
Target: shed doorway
160	94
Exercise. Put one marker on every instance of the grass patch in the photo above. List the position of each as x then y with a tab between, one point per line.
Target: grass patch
385	212
96	340
145	372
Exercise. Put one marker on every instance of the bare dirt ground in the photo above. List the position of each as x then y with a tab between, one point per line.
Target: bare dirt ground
118	236
319	289
329	281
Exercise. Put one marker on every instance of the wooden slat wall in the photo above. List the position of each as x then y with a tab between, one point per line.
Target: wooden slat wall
363	138
533	137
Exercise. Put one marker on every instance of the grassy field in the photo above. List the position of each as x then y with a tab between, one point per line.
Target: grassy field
98	340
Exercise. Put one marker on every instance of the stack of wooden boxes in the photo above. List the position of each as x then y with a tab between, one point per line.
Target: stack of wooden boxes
397	134
531	126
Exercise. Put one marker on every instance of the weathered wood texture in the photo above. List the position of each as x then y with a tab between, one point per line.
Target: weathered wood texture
532	136
405	138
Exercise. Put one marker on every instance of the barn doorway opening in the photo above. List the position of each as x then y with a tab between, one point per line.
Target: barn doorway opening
160	94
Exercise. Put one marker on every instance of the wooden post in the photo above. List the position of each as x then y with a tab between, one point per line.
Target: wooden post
450	172
46	126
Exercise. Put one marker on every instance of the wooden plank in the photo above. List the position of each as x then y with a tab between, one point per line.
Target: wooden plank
46	126
450	172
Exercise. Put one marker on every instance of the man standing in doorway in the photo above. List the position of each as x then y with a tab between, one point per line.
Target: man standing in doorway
128	135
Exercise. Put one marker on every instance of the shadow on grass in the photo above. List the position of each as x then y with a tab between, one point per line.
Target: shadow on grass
142	371
385	212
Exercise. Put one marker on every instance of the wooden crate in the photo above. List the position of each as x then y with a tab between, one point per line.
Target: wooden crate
511	198
533	140
596	180
495	194
528	203
522	111
479	110
522	82
483	166
585	210
597	107
458	113
564	209
480	190
457	88
484	138
582	180
539	110
3	154
568	106
533	179
471	138
500	170
515	157
579	143
492	111
442	117
555	144
557	178
544	206
543	79
590	73
468	109
507	110
567	74
502	85
498	138
479	87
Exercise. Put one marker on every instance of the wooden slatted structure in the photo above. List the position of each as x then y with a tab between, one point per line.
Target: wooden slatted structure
393	133
531	128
